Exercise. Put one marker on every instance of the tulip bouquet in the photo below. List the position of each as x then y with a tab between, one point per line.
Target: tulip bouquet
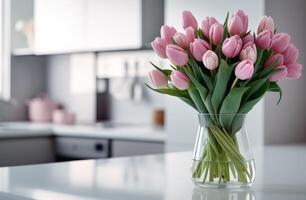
223	70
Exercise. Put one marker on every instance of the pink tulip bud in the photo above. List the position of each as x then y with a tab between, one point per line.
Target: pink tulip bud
158	79
189	20
238	24
210	60
206	24
244	70
277	60
176	55
181	40
232	46
248	38
294	71
179	80
167	32
264	39
216	33
198	48
249	52
190	34
279	75
290	54
265	23
159	47
280	42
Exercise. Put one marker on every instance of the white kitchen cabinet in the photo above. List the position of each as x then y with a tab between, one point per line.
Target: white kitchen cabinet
59	25
26	150
69	26
112	24
131	148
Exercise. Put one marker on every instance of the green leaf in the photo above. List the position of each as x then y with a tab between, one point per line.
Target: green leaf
224	35
246	107
166	72
230	106
171	91
208	81
259	58
209	107
274	87
222	79
254	87
196	98
195	68
189	102
202	90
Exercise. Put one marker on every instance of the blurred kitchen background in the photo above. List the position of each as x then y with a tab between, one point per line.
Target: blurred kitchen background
88	61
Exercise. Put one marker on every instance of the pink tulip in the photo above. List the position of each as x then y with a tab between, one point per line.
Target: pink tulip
277	59
167	32
294	77
265	23
238	24
176	55
232	46
216	33
210	60
179	80
290	54
158	79
280	42
249	52
264	39
206	24
198	48
189	20
248	38
190	34
181	40
244	70
279	75
294	71
159	47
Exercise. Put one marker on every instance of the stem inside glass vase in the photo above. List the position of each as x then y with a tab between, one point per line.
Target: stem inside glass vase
222	156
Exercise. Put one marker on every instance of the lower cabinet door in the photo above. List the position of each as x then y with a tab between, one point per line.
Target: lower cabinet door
131	148
24	151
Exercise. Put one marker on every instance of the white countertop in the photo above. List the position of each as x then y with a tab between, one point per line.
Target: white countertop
281	175
28	129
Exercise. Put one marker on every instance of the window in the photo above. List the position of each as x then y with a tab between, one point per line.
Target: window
5	54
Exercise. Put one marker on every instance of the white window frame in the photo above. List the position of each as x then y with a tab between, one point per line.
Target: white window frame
5	45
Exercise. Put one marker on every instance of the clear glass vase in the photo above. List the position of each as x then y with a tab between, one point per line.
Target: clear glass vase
222	153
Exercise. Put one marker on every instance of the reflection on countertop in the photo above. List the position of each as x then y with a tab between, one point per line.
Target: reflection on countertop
141	132
280	176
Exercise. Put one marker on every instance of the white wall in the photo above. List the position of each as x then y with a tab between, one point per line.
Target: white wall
181	120
285	123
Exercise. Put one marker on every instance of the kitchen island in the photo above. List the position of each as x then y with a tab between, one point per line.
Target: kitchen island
281	175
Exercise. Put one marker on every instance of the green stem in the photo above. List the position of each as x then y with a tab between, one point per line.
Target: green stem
220	157
234	83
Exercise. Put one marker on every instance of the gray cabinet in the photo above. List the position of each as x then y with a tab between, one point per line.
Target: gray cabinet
132	148
28	150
